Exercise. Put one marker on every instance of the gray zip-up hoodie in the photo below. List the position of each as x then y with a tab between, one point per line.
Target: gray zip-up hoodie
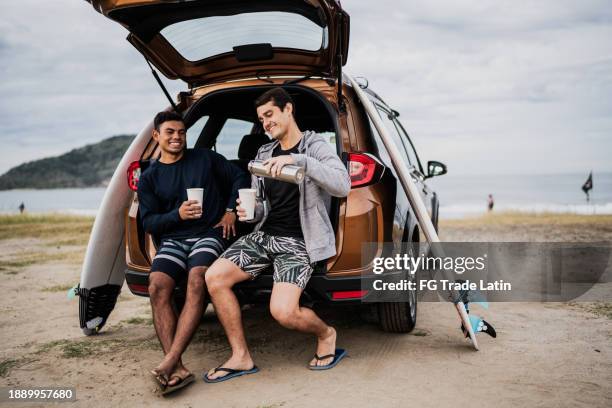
325	176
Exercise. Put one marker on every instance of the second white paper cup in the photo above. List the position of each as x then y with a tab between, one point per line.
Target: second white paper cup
196	194
247	201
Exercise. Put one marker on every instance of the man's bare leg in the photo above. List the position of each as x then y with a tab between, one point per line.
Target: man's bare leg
221	277
161	287
187	324
285	308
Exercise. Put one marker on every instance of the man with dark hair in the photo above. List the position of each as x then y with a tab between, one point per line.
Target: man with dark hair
293	232
278	96
192	235
167	116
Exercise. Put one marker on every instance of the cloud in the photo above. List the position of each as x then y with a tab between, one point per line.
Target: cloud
68	80
491	82
496	85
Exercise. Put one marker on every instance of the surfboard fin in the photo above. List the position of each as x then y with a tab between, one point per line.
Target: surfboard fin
95	304
479	325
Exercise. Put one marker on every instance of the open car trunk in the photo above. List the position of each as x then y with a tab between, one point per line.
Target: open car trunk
200	41
225	121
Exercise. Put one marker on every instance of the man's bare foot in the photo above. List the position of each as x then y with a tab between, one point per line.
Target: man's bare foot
166	367
244	362
325	345
180	372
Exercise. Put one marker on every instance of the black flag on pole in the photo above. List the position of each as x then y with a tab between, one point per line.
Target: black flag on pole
588	185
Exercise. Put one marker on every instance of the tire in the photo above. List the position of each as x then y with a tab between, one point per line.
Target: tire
399	317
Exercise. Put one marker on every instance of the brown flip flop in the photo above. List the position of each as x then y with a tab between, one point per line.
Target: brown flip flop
181	383
161	380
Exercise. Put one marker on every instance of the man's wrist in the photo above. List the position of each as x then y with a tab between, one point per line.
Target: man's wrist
230	210
176	215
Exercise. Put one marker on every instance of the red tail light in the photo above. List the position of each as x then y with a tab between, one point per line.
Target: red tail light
133	175
363	169
349	294
138	289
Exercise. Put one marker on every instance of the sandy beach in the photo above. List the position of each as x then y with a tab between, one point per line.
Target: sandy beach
545	355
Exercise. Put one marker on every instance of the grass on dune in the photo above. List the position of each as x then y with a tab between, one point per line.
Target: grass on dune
138	320
6	365
56	228
599	309
58	288
17	261
62	236
92	346
525	218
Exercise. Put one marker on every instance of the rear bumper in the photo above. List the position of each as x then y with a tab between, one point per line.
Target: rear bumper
320	288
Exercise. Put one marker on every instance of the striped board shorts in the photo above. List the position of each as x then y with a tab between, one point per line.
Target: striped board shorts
175	257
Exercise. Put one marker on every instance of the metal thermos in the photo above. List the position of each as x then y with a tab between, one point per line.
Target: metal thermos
289	173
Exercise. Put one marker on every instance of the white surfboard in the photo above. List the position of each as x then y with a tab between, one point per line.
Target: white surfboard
414	198
104	265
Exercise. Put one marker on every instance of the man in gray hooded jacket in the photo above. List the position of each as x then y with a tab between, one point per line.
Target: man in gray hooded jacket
293	232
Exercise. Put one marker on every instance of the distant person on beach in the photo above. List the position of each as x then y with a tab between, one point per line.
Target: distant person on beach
490	202
588	186
21	208
192	235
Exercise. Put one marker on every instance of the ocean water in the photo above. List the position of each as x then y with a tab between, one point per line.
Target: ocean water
460	196
464	196
81	201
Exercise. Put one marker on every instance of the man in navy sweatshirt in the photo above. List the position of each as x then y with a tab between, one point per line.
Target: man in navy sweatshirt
191	236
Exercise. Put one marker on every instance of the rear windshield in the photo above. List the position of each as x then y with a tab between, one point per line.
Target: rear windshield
202	38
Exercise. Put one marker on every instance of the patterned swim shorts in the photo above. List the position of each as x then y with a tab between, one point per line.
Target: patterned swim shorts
257	251
175	257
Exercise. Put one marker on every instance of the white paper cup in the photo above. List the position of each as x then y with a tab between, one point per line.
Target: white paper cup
196	194
247	201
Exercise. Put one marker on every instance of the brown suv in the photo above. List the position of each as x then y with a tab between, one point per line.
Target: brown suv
230	52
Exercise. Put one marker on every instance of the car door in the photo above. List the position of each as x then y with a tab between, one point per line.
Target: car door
417	168
201	41
404	144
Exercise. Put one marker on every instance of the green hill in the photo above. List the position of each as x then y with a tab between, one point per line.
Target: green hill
89	166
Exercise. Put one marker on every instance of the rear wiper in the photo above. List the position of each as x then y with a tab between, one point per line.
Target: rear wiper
161	85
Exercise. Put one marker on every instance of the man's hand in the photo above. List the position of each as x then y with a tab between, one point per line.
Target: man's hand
241	212
275	165
228	222
190	210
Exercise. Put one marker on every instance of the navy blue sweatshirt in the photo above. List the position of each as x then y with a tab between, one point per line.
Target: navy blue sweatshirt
162	188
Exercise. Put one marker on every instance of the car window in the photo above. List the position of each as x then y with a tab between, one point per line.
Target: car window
381	150
387	119
230	136
193	133
414	157
201	38
330	137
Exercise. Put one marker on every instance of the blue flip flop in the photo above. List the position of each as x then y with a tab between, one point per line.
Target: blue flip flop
338	355
232	373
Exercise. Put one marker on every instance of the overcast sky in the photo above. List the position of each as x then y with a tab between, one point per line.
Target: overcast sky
496	86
